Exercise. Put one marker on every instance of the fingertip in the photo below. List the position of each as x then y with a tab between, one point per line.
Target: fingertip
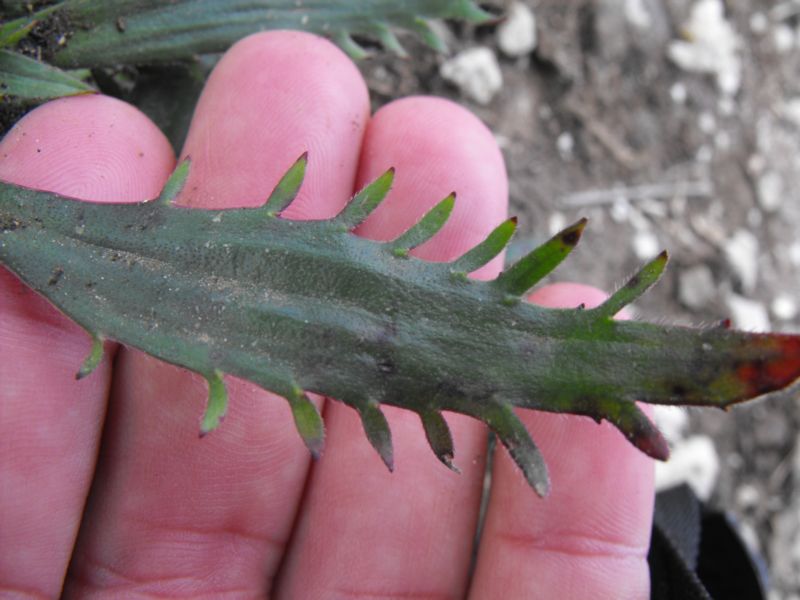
90	147
273	96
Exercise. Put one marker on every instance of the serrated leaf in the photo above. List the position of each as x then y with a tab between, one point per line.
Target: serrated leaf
176	181
286	190
217	403
378	433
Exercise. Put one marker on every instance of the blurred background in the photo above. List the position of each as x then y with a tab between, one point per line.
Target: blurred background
669	124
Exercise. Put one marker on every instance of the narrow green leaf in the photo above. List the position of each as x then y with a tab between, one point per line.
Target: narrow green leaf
309	423
636	427
93	359
485	251
423	29
14	30
512	433
29	80
175	182
365	201
286	190
439	437
389	40
635	287
470	11
217	403
349	45
378	433
428	226
531	268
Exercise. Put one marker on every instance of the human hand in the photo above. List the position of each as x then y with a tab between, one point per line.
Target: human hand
151	509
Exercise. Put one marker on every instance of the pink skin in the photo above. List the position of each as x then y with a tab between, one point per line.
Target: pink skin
242	511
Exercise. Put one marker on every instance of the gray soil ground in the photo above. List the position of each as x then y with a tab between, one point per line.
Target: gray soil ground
599	120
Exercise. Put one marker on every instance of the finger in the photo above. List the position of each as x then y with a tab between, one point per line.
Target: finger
94	148
173	512
365	532
589	537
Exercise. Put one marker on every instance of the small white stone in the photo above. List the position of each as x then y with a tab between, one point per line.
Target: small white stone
791	110
783	38
556	222
620	210
696	287
759	23
678	93
746	314
784	307
565	143
756	164
706	122
770	191
741	252
637	14
794	254
711	46
476	73
748	496
704	154
516	36
693	461
645	245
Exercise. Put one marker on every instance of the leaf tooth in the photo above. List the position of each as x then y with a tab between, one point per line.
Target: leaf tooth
308	422
428	226
502	419
217	402
439	437
470	11
485	251
636	427
175	182
353	49
389	40
378	433
93	359
424	30
531	268
365	201
633	288
286	190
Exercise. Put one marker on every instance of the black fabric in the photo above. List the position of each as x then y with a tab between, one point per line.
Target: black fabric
697	554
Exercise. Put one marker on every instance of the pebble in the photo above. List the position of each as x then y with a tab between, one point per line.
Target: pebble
741	252
637	14
783	38
746	314
770	191
693	461
475	72
516	36
565	143
645	245
678	93
784	307
696	287
791	110
711	45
